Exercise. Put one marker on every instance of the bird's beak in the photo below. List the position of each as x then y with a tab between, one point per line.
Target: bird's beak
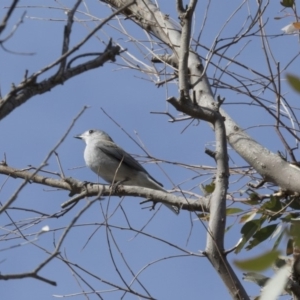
78	137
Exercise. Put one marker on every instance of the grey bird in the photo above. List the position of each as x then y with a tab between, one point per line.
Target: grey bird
114	164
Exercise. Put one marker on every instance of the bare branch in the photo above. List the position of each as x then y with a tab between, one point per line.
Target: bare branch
268	164
29	87
29	176
89	190
8	15
216	228
185	17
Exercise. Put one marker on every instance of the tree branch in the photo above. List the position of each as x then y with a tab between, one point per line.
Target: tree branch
29	86
185	16
8	15
217	219
269	165
88	190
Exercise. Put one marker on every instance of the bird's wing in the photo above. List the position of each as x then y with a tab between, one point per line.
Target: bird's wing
120	155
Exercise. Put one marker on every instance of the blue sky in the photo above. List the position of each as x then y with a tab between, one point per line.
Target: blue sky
128	97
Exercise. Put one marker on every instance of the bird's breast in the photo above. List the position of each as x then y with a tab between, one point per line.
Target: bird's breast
102	164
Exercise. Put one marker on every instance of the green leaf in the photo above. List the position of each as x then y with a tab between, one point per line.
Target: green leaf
261	235
294	82
277	231
257	278
258	263
251	227
278	239
296	226
247	232
229	227
289	247
273	204
233	210
295	204
253	199
209	188
287	3
247	217
289	217
203	216
295	232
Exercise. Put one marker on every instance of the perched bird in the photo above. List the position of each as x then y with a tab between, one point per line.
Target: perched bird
115	165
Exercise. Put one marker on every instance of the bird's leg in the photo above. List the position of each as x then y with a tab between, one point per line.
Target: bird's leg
75	185
152	207
114	185
175	209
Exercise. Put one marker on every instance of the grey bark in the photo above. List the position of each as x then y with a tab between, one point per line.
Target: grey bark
269	165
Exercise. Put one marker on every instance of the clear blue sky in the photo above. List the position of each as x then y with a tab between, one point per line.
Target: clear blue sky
128	97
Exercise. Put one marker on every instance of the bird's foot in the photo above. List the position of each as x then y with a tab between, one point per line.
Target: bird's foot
152	207
114	185
75	185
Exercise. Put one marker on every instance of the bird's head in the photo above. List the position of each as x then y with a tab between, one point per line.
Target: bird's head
94	134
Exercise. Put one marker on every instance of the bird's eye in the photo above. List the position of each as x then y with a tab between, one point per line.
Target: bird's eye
91	131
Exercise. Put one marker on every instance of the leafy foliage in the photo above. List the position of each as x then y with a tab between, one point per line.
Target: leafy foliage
294	81
258	263
287	3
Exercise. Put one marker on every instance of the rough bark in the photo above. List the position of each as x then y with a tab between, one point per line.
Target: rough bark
269	165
